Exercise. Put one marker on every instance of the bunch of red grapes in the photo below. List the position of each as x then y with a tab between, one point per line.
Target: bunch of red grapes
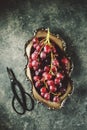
48	70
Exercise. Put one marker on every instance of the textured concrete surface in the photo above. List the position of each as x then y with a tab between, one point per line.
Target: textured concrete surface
18	20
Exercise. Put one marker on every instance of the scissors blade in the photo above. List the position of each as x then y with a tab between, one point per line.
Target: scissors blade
11	74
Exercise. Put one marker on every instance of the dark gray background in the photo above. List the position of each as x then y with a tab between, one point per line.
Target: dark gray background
18	20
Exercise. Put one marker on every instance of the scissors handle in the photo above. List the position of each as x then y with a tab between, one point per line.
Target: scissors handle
23	106
21	99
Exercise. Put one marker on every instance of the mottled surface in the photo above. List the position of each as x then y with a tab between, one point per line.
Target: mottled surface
18	20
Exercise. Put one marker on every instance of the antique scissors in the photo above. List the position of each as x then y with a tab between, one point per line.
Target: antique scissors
22	98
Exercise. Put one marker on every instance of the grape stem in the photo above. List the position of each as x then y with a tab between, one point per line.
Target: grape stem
48	41
51	63
48	38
